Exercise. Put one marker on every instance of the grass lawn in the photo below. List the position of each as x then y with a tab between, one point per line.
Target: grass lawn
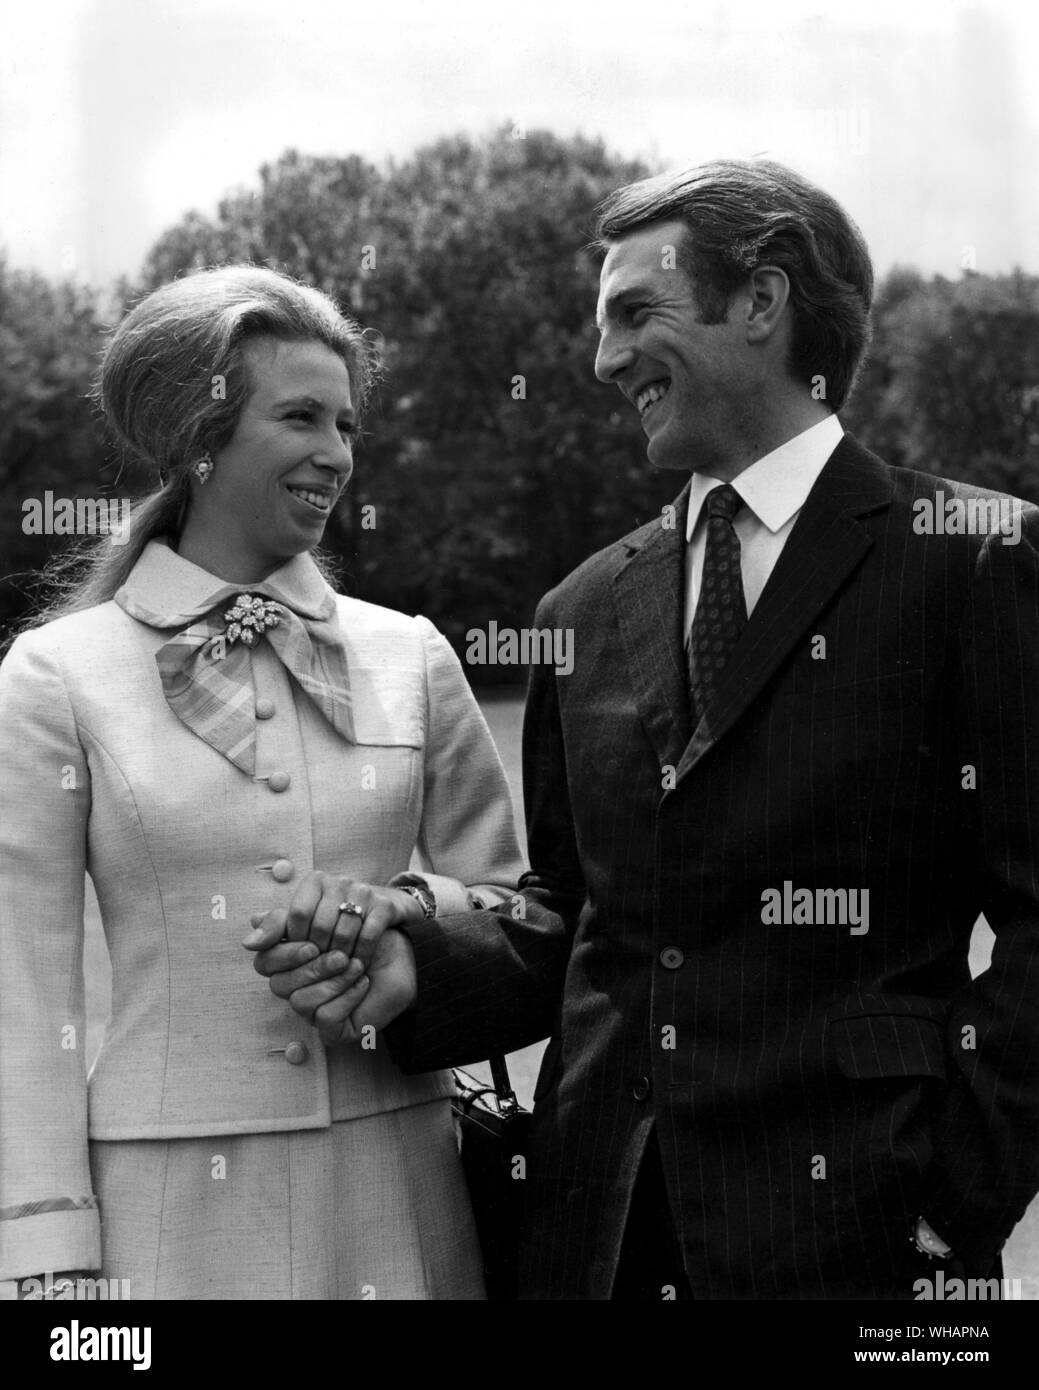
504	712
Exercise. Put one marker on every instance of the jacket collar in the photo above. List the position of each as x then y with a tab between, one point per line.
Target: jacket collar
167	591
825	547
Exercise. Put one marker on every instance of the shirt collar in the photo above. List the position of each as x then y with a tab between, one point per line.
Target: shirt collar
173	591
776	486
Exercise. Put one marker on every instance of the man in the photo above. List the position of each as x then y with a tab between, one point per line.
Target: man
797	756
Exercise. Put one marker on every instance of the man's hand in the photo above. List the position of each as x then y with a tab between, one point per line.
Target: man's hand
331	990
313	942
393	987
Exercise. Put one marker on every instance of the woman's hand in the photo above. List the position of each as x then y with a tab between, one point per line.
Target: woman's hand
312	954
314	914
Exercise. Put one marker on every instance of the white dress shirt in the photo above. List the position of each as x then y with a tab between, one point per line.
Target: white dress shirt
774	489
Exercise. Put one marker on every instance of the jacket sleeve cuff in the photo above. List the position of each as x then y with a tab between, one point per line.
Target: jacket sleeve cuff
452	896
50	1242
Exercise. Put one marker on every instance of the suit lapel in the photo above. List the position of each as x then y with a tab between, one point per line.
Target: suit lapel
826	546
649	592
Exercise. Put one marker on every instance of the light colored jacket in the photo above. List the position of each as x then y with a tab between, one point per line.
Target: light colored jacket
99	774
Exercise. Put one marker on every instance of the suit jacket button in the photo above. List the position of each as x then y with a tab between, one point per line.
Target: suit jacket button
278	781
671	958
641	1088
264	709
296	1054
282	870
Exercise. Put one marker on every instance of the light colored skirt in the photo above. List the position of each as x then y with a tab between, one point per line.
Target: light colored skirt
373	1208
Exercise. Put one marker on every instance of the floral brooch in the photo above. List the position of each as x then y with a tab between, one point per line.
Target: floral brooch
250	618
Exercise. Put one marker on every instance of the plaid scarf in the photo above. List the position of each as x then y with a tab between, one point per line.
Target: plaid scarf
206	669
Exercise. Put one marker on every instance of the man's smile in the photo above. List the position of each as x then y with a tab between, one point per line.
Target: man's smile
652	392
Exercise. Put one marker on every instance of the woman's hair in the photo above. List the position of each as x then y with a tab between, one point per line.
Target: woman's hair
172	385
741	214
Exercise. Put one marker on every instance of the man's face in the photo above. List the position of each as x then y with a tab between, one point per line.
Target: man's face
690	382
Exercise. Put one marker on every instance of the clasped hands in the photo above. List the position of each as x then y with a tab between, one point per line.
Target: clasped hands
341	971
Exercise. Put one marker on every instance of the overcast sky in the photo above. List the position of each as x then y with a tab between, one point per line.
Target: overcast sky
117	116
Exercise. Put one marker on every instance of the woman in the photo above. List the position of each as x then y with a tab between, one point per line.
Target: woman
212	733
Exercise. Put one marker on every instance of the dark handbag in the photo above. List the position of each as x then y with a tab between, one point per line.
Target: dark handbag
492	1130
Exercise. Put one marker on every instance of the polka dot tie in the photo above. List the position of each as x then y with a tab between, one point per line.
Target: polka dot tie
721	610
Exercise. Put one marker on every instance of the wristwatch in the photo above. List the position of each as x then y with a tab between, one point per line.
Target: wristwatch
423	895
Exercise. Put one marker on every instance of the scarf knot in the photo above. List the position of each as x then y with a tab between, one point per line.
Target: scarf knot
206	668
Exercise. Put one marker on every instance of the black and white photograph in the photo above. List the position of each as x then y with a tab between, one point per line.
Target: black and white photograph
519	699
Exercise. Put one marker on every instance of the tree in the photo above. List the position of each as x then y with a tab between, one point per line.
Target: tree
953	384
50	335
495	461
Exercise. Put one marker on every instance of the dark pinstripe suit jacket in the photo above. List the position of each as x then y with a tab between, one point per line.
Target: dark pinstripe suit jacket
813	1088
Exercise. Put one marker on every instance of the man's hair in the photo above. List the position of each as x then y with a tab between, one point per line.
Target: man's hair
741	214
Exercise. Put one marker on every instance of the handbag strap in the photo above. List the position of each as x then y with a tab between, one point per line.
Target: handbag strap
502	1085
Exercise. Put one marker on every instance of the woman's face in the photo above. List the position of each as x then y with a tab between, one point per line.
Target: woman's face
275	483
